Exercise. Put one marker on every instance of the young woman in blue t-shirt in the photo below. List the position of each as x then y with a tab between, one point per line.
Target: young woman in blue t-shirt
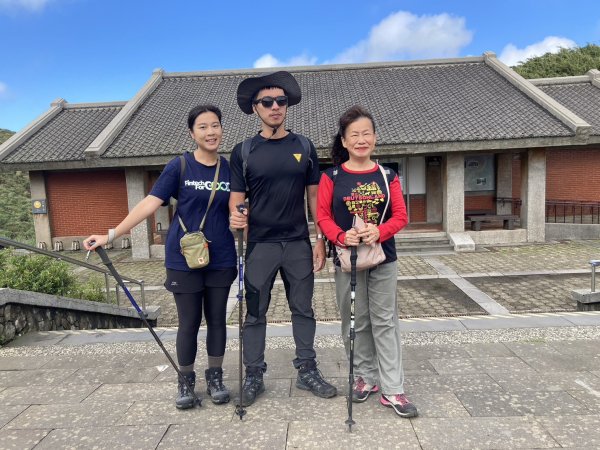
198	290
357	186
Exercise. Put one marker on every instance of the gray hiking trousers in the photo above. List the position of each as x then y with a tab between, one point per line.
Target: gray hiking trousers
293	260
377	345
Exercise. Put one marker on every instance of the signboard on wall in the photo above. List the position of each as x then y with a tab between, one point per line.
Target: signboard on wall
480	173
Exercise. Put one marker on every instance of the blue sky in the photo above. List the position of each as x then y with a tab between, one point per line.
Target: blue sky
94	51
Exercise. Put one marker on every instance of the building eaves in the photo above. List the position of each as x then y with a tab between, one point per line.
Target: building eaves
107	136
579	126
63	136
580	94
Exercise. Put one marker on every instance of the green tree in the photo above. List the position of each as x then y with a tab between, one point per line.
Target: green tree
567	62
16	219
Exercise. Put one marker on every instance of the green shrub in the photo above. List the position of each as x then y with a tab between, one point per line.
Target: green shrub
39	273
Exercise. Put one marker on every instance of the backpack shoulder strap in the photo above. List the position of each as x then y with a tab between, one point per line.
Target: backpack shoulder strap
306	147
246	147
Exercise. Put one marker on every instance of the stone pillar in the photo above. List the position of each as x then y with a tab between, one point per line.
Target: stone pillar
533	194
136	191
504	182
453	185
41	222
433	190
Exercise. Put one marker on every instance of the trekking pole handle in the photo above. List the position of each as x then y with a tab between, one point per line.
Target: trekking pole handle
108	263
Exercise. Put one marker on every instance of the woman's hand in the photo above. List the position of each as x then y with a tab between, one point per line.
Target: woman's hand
352	238
369	234
94	241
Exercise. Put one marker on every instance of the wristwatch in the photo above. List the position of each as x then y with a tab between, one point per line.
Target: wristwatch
320	237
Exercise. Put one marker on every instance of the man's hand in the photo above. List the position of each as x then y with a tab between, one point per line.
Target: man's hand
319	255
238	220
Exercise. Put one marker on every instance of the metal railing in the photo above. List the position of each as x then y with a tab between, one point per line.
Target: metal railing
61	257
572	212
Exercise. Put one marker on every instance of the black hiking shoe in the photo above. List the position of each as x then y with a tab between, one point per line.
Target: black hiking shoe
253	386
310	379
185	399
215	387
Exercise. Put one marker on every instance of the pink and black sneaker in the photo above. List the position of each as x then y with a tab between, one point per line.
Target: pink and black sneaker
362	390
402	405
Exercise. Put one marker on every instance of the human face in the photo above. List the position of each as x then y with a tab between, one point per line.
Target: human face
359	139
275	115
207	132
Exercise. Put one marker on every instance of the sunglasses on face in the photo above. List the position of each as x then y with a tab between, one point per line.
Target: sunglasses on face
267	102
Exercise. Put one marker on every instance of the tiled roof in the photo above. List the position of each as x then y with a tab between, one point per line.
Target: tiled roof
65	136
412	104
581	98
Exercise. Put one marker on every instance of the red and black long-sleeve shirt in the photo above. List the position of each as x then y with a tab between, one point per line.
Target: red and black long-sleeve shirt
348	193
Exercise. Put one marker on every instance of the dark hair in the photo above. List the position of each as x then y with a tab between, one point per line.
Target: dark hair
255	96
339	154
200	109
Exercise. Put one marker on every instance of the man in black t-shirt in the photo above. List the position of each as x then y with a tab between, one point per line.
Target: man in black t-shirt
275	169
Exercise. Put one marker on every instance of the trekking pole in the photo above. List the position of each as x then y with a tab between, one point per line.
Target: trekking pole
353	257
108	263
239	408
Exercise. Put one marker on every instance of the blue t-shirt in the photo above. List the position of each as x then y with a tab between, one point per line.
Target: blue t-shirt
192	200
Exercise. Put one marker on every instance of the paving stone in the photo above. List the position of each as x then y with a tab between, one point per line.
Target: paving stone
455	383
442	404
21	439
9	412
108	375
482	433
588	397
391	433
479	365
165	412
109	438
81	415
498	404
45	395
68	362
131	392
9	378
238	434
547	381
487	349
574	431
424	352
23	362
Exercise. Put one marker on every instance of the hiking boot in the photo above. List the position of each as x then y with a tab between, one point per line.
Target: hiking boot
185	399
253	386
362	390
215	387
311	379
402	405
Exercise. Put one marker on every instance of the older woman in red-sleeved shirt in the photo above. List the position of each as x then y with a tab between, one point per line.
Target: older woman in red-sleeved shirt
357	185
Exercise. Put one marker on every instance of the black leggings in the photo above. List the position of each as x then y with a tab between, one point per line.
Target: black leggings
189	310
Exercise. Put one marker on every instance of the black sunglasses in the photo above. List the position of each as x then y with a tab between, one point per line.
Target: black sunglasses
267	102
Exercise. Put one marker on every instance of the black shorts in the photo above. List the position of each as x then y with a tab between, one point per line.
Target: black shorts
187	282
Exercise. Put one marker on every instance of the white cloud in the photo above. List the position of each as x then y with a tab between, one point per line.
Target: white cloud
268	60
401	35
29	5
511	55
404	35
3	89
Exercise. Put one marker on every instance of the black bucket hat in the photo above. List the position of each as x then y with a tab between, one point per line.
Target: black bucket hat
250	86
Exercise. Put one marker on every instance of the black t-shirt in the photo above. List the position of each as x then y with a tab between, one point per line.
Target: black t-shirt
277	173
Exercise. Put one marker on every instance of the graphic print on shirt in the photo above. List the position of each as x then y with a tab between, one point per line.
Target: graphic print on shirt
298	156
207	185
364	200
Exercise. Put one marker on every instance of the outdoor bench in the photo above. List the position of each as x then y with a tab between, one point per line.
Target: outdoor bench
507	220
